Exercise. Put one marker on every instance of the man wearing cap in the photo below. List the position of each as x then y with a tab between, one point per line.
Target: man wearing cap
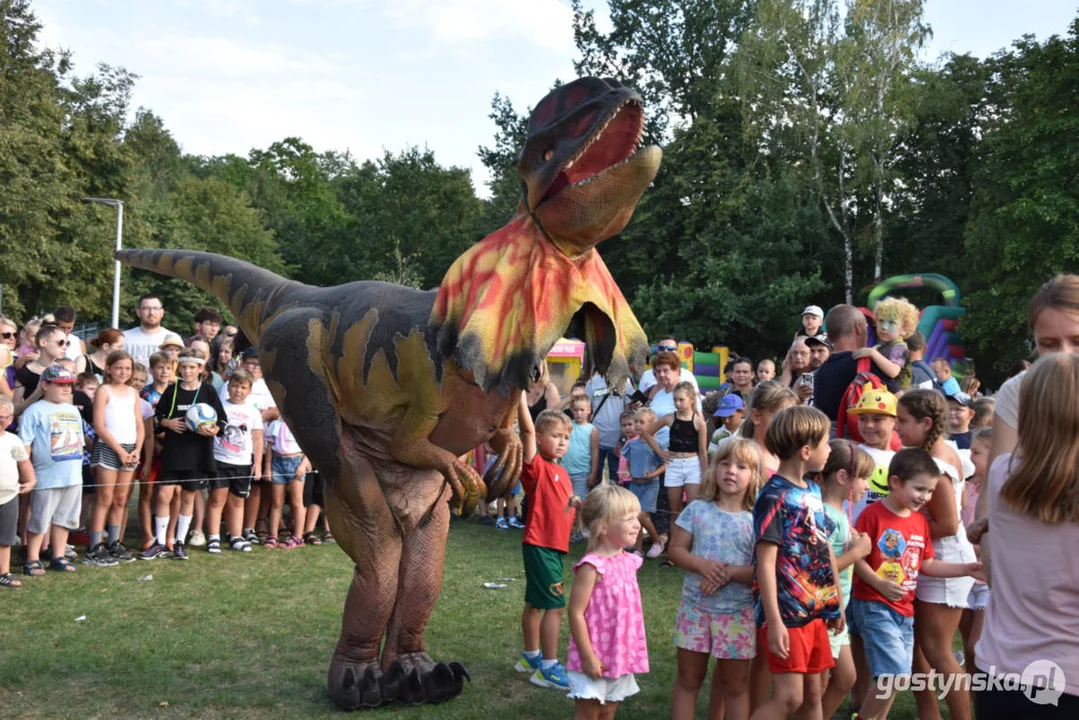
812	318
819	350
728	417
144	340
51	430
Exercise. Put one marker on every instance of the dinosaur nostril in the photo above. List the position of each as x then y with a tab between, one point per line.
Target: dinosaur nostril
548	155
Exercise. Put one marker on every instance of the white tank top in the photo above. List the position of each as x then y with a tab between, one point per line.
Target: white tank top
120	417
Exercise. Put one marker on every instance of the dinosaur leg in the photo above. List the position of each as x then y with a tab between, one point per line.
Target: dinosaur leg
366	530
411	674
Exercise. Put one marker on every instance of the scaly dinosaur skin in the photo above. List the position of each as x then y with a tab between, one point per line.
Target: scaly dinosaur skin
385	387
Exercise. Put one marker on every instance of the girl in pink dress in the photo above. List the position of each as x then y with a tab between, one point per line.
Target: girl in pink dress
607	641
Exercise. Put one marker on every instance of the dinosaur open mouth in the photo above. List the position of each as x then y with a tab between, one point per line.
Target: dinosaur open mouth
614	142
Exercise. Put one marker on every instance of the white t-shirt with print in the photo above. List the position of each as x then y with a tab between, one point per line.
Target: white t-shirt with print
233	444
12	452
140	345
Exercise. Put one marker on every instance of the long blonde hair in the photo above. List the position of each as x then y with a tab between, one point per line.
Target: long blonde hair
742	450
1044	482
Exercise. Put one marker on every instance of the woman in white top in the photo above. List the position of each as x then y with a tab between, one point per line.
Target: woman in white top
1032	621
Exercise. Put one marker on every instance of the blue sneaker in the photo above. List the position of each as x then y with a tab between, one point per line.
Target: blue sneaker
527	664
502	524
515	523
553	677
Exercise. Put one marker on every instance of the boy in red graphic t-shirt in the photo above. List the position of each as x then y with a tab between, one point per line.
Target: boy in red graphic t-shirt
551	511
882	599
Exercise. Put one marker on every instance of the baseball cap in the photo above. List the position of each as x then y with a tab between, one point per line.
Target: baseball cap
960	397
172	339
813	310
729	405
250	352
874	401
58	374
819	339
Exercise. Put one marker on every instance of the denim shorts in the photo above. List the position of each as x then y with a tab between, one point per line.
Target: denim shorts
647	492
887	636
683	471
284	468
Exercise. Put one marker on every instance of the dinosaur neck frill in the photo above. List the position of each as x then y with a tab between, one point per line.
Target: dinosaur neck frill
508	299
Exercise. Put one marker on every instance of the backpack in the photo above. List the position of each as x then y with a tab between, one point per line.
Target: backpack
847	425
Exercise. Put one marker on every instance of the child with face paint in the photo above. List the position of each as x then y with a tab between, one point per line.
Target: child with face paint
897	319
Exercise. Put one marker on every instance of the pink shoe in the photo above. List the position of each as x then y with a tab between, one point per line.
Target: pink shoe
292	543
656	550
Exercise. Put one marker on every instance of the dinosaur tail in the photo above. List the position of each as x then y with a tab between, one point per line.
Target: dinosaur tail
251	293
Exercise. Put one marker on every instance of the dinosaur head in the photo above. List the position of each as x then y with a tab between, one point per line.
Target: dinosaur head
582	170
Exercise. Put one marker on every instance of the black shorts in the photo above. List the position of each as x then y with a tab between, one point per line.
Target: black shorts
9	522
89	484
312	490
188	480
237	478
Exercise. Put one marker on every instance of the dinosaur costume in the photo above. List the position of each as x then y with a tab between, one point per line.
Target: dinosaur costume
386	387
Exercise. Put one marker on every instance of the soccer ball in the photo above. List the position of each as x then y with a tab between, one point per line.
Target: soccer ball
199	415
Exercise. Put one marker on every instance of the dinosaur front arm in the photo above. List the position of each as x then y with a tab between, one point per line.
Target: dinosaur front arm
410	445
506	443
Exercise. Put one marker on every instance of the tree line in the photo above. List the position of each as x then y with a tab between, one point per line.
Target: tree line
808	154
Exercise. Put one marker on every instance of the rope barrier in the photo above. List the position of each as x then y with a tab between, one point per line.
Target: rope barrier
203	479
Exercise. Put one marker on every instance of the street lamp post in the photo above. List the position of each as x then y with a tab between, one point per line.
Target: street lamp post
119	205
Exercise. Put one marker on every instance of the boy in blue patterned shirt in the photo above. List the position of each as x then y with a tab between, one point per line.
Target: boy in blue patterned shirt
797	598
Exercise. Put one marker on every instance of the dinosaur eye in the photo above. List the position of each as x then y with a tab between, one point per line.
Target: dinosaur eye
548	155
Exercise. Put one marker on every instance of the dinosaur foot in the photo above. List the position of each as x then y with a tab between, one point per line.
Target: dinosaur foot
415	678
355	685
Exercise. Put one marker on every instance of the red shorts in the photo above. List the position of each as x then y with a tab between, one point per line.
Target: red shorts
810	650
155	470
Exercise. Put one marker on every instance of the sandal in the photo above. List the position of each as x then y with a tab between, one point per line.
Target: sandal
311	539
62	565
9	580
292	543
328	537
33	568
270	543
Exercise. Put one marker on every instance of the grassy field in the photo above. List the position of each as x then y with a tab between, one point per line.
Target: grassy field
243	636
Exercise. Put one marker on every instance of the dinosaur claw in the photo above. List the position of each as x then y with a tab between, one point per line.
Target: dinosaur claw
459	671
351	690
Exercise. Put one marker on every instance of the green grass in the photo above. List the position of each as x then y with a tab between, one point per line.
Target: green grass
241	636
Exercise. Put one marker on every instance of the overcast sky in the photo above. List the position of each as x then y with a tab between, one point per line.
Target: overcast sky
369	75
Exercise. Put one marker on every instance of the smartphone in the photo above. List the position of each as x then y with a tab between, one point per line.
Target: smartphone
807	379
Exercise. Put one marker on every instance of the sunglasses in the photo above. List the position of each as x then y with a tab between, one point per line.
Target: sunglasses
666	348
230	334
8	335
63	343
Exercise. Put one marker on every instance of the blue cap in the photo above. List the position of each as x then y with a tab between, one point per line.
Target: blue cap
728	405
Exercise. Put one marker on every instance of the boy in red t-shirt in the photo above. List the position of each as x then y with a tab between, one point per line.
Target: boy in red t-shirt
551	504
882	600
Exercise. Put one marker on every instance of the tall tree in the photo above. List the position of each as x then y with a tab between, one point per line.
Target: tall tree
1024	224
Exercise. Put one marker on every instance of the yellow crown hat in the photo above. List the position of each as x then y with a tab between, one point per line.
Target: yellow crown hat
874	401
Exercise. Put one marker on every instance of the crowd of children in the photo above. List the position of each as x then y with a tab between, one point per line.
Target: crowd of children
814	566
76	445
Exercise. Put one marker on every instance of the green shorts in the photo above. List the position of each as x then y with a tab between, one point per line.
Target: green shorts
543	577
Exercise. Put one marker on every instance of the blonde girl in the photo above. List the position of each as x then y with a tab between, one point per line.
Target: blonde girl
606	622
1033	498
844	479
767	399
120	432
687	447
939	602
713	542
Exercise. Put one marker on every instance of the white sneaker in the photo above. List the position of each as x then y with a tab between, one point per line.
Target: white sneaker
655	551
196	539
